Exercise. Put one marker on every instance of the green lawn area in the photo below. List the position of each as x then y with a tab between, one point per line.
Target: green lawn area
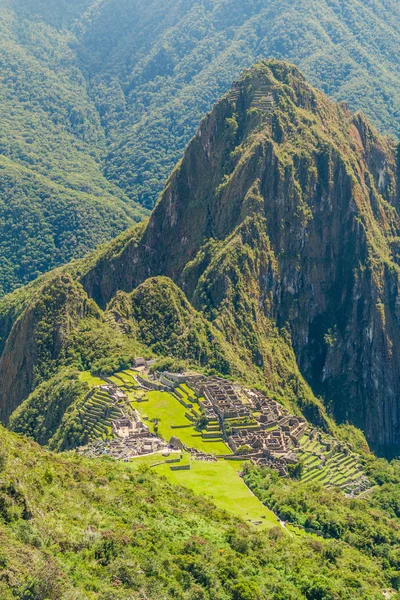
220	482
188	390
88	378
182	394
127	377
166	408
152	459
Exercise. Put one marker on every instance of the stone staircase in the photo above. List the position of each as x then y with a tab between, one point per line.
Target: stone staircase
263	100
110	319
233	94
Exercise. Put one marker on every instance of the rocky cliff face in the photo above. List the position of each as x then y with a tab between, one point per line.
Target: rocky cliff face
37	338
281	226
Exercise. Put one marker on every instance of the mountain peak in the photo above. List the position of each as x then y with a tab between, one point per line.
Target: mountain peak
320	188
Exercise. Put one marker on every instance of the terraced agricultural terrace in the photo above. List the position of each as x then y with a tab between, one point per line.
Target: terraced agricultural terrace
98	411
330	463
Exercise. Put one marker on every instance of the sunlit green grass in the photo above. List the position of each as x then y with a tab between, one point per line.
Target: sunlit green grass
188	390
169	412
116	380
219	481
90	379
127	377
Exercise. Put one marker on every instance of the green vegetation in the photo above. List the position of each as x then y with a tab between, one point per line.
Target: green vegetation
62	413
162	319
172	421
42	414
71	527
45	224
101	347
90	379
185	56
55	203
369	523
64	328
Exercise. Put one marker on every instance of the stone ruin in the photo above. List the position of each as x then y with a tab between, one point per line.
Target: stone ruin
220	397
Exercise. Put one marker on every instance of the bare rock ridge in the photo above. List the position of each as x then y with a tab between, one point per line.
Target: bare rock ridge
281	226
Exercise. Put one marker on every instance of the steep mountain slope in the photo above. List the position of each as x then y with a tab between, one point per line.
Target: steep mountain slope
99	99
281	226
74	528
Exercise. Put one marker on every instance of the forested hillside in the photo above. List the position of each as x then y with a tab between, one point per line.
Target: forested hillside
98	100
72	528
55	203
159	66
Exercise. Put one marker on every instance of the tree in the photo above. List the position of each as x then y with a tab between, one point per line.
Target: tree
246	590
245	449
201	422
295	471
